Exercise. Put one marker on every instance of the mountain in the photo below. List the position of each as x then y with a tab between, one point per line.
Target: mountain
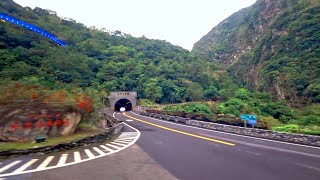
96	61
96	58
271	46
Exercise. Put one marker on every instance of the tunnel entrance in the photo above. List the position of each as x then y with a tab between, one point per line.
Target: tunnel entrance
118	99
123	103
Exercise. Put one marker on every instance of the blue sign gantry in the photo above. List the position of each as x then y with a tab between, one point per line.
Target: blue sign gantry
31	27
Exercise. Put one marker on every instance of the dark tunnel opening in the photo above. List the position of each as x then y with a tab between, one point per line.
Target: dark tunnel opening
123	103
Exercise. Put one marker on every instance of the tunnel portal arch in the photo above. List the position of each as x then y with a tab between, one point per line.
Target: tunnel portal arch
127	99
123	103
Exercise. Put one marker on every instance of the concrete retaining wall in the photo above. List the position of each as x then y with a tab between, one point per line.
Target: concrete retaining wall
267	134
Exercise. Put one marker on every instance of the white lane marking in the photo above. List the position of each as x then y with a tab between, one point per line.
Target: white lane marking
76	156
106	148
307	166
128	138
9	166
45	163
229	133
129	120
119	144
128	134
113	146
89	153
254	153
123	141
99	151
25	166
63	159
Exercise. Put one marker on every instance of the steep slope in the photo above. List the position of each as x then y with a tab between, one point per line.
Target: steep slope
272	46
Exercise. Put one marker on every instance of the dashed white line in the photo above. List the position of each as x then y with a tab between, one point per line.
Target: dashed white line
62	159
307	166
89	153
76	156
25	166
45	163
9	166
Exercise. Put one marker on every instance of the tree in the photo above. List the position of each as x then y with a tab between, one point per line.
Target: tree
243	94
194	92
152	90
211	92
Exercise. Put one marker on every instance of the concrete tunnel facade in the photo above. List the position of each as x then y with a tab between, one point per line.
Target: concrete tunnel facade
127	99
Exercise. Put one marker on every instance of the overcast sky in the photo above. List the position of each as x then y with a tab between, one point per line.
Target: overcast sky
181	22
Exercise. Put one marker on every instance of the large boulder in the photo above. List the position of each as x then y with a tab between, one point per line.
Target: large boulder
26	124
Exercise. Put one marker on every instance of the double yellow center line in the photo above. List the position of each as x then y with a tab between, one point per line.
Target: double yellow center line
182	132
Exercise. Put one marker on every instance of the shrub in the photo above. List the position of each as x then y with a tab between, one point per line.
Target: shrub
190	107
292	128
310	120
270	121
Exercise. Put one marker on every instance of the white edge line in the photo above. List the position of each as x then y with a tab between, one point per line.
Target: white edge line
72	163
229	133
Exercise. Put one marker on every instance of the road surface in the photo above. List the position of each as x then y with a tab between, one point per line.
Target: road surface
167	150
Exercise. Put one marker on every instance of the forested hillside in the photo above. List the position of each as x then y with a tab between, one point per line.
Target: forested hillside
96	61
272	46
156	69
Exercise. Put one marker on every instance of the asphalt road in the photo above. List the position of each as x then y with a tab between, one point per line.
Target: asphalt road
166	150
185	156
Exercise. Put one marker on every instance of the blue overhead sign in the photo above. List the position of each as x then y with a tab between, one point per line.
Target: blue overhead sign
252	119
7	18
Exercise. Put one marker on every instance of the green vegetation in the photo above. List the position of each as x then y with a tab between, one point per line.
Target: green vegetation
276	115
283	61
101	60
277	48
49	142
145	102
190	107
292	128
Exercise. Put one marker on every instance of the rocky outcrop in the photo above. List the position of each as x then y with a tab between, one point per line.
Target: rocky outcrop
272	46
26	124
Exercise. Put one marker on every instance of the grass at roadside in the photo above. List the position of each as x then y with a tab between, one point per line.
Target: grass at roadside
294	128
5	146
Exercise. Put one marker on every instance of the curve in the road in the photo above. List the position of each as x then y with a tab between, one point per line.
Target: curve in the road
183	132
26	165
227	133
